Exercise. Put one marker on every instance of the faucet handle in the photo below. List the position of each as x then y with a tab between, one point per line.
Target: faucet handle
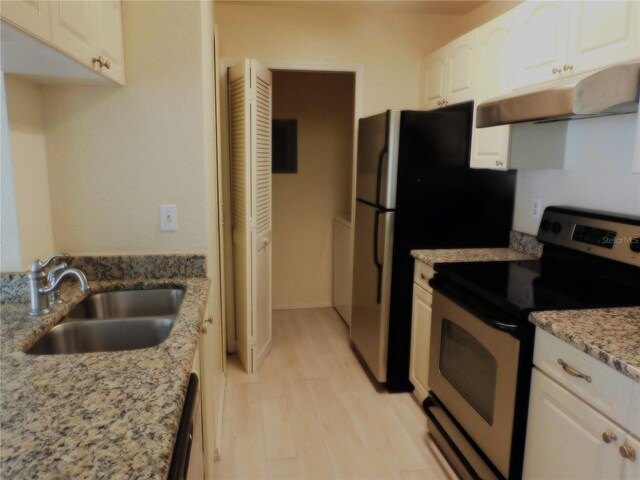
51	276
38	266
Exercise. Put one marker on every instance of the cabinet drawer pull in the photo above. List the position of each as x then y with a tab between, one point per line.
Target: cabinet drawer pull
627	451
608	437
572	371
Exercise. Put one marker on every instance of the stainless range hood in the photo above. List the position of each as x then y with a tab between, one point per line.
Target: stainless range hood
611	91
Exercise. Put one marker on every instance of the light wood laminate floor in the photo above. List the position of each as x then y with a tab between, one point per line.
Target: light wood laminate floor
313	413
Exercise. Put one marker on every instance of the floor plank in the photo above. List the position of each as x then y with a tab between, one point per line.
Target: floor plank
312	412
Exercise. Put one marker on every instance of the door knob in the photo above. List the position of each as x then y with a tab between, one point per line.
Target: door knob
609	436
628	452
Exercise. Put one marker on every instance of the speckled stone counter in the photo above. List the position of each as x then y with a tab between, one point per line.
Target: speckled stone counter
431	257
111	415
611	335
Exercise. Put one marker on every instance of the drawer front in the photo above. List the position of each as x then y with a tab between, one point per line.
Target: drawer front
422	274
608	391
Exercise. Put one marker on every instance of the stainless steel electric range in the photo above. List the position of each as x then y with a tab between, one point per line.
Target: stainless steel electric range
482	342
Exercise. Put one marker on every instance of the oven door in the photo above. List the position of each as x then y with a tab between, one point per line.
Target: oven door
473	370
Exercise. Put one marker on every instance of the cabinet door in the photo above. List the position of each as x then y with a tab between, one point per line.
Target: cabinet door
603	33
434	73
420	336
461	73
541	35
30	16
490	146
565	436
108	37
72	29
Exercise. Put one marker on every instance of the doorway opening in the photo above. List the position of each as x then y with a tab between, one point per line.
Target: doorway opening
307	200
323	101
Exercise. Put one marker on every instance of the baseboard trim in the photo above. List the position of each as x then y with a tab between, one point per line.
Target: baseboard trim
292	306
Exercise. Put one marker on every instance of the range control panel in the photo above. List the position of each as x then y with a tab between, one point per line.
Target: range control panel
606	235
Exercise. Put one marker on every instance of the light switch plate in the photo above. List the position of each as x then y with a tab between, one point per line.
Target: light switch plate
168	218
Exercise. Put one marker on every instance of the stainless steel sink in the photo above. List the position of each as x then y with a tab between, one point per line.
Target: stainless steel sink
114	321
107	335
129	303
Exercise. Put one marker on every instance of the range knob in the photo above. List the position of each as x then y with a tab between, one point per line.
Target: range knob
635	245
556	227
545	225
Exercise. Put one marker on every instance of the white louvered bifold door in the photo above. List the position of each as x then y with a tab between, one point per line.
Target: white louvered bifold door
250	121
261	179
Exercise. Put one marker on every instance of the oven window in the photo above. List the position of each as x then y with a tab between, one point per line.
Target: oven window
469	367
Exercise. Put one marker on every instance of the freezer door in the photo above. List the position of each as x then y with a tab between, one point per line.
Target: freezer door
378	140
372	286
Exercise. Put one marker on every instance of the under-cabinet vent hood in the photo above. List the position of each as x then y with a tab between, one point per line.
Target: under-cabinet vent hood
611	91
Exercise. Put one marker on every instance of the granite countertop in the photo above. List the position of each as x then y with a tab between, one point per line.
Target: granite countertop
431	257
111	415
611	335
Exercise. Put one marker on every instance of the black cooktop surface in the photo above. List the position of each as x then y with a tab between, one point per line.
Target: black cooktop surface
523	286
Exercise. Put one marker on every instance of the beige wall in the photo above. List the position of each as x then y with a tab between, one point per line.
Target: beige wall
388	44
305	203
29	164
483	14
10	258
115	154
598	159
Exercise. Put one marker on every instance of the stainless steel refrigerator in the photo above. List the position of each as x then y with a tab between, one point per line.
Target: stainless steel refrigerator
415	190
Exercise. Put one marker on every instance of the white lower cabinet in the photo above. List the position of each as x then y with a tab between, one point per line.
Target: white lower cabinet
568	435
420	338
565	436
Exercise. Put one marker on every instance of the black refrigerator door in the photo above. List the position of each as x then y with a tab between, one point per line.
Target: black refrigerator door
441	203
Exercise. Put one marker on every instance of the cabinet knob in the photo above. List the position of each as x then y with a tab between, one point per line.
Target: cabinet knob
203	329
107	64
608	437
555	70
567	68
422	277
439	103
445	102
628	452
499	163
102	62
210	320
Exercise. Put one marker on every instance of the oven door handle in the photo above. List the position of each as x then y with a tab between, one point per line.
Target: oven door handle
498	325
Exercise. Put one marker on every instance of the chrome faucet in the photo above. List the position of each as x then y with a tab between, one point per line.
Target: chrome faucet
39	291
54	298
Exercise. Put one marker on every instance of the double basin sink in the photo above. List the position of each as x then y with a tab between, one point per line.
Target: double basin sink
114	321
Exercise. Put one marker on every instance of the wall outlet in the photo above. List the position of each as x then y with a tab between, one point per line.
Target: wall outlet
168	218
536	207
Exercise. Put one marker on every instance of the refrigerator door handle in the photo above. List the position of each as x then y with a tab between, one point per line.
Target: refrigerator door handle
375	255
381	156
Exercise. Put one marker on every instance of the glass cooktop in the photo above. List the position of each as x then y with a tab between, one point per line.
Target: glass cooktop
523	286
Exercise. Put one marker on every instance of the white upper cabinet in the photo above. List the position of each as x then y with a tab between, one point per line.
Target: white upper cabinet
87	31
434	77
490	146
32	16
72	28
603	33
555	39
541	32
108	38
461	69
448	74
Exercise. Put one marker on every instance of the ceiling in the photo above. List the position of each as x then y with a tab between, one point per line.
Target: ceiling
450	7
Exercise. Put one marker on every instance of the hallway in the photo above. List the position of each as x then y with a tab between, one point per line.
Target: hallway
312	412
